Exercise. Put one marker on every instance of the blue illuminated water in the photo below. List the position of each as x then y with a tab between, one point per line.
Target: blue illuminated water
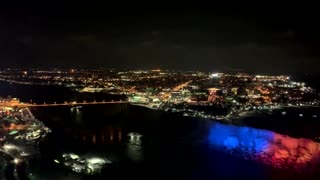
239	137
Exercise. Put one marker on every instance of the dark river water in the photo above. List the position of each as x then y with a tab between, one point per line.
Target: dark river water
170	146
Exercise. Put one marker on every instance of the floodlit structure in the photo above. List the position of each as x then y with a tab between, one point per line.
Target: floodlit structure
74	156
90	165
8	147
95	164
134	137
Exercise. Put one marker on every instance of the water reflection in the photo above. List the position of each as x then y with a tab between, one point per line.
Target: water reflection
110	135
105	135
265	146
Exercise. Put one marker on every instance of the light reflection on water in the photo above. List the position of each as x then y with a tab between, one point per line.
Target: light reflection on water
105	135
108	136
271	148
183	138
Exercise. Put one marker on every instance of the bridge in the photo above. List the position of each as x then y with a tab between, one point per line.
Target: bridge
61	104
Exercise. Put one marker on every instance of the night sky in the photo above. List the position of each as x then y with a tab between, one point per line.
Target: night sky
268	41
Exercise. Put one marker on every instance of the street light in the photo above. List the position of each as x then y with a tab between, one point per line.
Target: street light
16	161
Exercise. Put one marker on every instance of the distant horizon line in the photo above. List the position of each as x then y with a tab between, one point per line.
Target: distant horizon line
231	70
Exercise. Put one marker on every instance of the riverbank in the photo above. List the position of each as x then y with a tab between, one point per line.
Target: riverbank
20	141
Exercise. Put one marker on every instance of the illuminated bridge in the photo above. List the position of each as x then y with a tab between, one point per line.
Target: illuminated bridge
61	104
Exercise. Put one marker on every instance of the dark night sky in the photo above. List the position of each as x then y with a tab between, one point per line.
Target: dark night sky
268	41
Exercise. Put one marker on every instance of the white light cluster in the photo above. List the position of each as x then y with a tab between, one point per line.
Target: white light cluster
215	75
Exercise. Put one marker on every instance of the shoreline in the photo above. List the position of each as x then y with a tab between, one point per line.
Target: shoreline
14	148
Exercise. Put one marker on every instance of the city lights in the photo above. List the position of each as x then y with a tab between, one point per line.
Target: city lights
214	75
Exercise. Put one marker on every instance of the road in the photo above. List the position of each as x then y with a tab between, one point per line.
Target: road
177	88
